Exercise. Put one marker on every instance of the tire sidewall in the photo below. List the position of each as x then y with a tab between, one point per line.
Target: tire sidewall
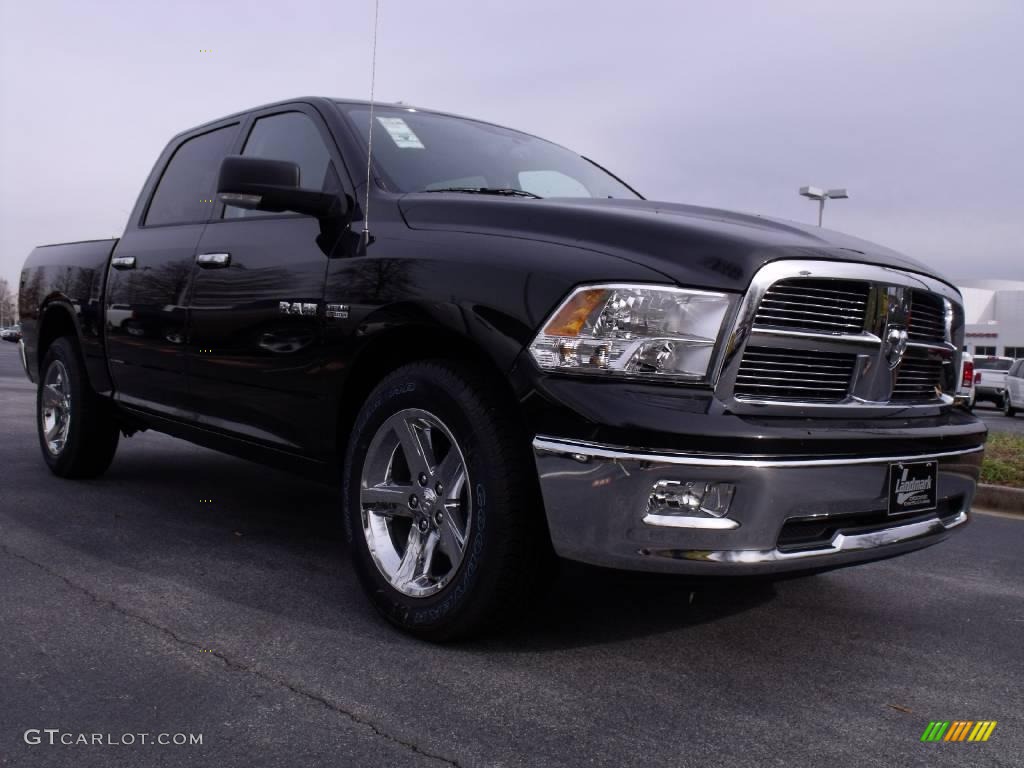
423	386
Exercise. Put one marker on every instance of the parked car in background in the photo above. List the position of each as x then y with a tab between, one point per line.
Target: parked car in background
990	382
12	334
1013	401
965	391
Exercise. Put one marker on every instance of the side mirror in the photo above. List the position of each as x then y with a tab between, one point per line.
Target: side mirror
271	185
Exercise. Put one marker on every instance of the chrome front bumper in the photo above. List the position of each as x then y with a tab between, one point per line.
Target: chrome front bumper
596	498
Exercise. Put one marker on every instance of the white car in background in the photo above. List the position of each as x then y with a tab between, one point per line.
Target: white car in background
965	390
1013	400
990	378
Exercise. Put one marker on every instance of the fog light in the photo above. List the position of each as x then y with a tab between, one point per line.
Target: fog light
676	497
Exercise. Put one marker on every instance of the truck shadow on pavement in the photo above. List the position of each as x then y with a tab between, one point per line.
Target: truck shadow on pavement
265	540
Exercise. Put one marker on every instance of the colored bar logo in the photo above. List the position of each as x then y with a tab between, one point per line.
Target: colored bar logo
958	730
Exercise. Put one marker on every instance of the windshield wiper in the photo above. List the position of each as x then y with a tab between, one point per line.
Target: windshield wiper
488	191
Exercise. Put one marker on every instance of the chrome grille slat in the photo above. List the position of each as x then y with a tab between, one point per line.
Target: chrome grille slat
782	296
768	308
789	366
781	373
788	286
805	323
798	388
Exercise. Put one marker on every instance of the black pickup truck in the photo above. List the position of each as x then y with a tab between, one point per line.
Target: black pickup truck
502	353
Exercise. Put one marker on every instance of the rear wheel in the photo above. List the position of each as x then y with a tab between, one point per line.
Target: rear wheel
77	432
442	507
1008	407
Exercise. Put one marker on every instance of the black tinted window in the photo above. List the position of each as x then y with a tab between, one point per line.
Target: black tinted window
288	136
185	192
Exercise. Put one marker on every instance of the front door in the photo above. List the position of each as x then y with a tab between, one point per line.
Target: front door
256	311
146	312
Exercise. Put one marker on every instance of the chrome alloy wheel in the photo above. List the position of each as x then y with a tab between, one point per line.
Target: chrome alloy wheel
55	407
416	502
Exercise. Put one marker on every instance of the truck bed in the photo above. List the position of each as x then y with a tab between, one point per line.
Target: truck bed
66	277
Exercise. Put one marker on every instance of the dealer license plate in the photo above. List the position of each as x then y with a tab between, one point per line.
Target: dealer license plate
912	487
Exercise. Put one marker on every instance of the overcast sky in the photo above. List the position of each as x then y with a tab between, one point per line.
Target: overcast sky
916	107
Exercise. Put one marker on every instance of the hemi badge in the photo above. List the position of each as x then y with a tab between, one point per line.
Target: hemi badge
337	311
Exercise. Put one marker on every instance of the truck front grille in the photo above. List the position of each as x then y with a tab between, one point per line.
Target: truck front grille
808	304
842	336
780	374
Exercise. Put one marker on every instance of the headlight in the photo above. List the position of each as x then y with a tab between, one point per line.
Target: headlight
633	330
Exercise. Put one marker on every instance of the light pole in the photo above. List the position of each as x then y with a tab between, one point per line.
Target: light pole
819	194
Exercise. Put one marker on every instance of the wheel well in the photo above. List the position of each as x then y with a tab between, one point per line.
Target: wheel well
56	322
401	347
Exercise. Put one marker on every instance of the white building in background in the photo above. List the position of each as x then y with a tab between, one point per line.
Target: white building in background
994	312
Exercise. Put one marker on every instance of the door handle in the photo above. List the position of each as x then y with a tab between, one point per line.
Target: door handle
213	260
123	262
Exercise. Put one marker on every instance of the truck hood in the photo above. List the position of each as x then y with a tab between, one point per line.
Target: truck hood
694	246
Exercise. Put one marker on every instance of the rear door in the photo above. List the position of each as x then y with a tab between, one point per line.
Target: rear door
256	309
151	270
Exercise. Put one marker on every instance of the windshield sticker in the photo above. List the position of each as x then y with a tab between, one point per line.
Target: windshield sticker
400	133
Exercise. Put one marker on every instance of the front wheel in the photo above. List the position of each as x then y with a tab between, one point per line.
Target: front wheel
77	432
442	506
1008	407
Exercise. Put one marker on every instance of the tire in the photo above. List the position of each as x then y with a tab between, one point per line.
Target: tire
1008	408
78	434
455	417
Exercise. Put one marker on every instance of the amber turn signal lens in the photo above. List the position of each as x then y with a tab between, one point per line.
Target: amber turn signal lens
571	317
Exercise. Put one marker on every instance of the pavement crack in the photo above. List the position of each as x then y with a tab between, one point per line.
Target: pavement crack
233	664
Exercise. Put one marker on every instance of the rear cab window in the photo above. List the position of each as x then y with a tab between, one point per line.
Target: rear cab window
992	364
185	192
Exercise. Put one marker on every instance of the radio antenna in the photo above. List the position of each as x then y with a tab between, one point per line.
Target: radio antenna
369	140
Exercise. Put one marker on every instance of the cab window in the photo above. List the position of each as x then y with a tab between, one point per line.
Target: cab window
184	194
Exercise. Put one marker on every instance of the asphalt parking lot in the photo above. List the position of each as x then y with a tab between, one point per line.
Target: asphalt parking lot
997	422
130	606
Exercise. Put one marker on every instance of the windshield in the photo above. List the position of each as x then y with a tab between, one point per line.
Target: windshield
420	152
992	364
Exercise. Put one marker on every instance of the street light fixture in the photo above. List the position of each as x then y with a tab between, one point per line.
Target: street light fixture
819	194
